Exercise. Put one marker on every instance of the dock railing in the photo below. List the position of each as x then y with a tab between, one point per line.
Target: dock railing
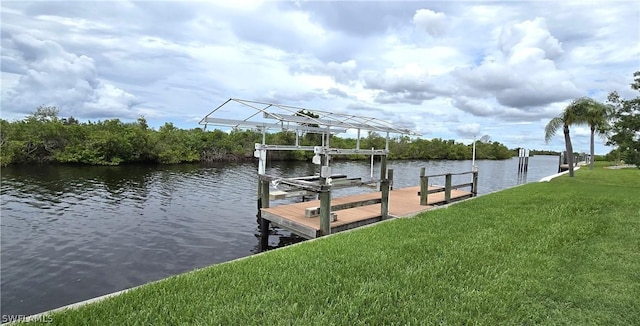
424	185
323	190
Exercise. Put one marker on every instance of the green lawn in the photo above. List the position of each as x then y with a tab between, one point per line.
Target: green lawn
563	252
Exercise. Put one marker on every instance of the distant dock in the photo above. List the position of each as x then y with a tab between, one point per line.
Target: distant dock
402	202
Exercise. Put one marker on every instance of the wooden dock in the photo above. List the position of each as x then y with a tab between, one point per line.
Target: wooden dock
402	202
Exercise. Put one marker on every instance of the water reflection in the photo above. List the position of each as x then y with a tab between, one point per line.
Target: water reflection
283	239
522	177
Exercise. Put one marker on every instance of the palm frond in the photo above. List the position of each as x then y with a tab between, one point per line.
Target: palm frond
552	128
576	112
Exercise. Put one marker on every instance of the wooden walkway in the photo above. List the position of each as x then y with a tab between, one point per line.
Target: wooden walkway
402	202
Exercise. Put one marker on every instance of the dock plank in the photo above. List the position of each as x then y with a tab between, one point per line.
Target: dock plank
402	202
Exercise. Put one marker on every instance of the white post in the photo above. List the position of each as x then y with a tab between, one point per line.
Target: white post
262	162
386	145
328	138
261	154
372	148
473	157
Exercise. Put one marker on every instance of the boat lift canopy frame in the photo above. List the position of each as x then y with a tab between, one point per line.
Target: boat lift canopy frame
266	116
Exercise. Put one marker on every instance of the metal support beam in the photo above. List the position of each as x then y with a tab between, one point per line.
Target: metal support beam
325	209
266	125
341	151
325	196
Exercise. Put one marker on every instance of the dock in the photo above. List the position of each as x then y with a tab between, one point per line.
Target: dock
328	215
402	202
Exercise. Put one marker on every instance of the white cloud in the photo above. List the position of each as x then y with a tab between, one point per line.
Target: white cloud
409	84
523	74
581	131
55	77
468	129
476	107
439	66
529	34
434	23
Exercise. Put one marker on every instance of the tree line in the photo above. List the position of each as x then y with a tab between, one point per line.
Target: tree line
43	137
618	120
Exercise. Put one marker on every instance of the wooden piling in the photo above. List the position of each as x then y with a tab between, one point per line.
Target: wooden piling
384	188
424	187
447	188
474	187
390	177
383	168
259	202
263	202
560	162
264	234
264	193
384	205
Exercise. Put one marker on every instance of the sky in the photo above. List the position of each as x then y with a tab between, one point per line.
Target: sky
446	69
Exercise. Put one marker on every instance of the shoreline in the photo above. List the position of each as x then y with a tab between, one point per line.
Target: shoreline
497	259
41	315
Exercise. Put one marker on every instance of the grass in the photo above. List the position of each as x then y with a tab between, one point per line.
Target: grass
563	252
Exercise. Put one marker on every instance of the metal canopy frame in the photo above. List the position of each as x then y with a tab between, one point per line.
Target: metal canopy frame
291	118
270	116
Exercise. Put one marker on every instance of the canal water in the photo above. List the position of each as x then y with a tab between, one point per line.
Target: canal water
71	233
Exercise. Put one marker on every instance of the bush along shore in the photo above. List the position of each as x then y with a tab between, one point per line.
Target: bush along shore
43	137
562	252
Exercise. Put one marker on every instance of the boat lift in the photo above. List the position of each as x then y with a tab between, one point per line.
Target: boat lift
267	117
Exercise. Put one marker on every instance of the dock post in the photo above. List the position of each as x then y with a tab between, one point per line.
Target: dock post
325	209
424	187
447	188
390	177
325	197
261	154
384	204
383	171
474	187
264	193
263	197
264	234
259	201
384	188
263	202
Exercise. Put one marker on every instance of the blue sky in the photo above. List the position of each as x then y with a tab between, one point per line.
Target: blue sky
451	70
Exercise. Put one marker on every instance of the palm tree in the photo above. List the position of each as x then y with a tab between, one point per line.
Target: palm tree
597	116
572	114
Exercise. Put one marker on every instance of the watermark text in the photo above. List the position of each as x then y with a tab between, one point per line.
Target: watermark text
20	318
